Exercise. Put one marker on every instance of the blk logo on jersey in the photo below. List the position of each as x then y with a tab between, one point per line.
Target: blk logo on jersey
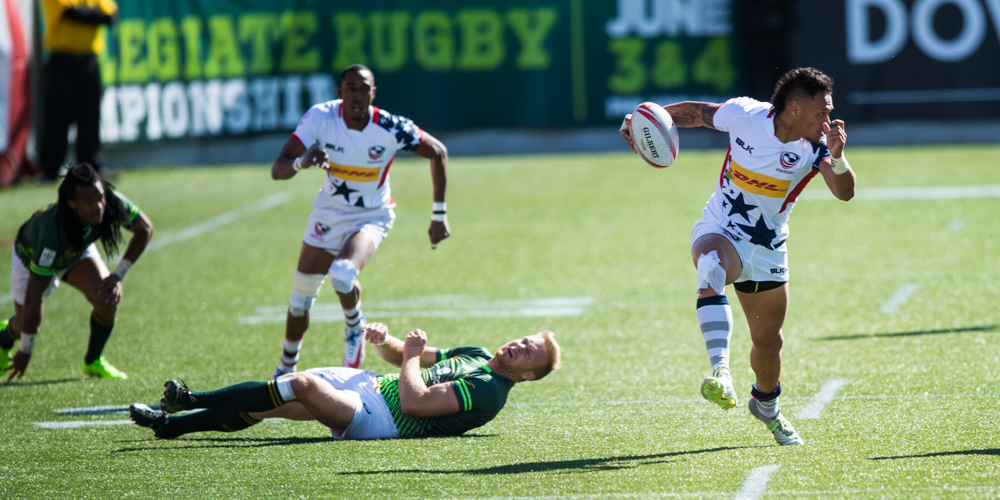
747	147
375	152
335	149
321	229
789	159
778	270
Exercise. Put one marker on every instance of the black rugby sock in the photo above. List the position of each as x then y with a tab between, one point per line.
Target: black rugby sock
99	333
248	396
210	420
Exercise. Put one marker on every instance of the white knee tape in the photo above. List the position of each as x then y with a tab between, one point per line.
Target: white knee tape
305	287
342	275
711	273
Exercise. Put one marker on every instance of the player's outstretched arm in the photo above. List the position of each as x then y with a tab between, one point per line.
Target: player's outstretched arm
415	398
437	153
836	172
391	349
290	160
29	318
688	114
110	289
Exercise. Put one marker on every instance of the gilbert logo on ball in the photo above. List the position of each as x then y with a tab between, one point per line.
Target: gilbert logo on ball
654	134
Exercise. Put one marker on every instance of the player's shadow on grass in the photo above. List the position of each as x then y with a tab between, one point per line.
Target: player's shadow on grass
987	328
233	443
15	383
236	442
988	451
569	466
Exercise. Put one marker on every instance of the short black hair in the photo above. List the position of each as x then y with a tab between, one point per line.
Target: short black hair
115	214
354	67
797	83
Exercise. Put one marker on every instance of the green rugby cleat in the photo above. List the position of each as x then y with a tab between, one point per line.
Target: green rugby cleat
102	369
719	390
4	353
782	429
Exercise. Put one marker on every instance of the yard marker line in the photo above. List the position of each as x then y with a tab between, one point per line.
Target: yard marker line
72	424
822	398
898	298
756	483
214	223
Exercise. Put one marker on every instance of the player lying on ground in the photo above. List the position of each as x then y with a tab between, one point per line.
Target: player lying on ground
57	243
355	144
457	390
775	149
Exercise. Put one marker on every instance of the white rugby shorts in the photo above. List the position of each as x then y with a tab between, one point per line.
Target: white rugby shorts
328	228
759	263
372	418
19	274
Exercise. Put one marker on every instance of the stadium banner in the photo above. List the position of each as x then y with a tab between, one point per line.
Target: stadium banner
905	59
203	68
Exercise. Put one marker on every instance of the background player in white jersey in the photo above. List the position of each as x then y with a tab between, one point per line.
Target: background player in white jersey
355	144
775	149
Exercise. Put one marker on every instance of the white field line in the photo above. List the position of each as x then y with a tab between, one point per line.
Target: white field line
436	306
898	298
756	483
956	224
911	193
793	493
72	424
818	403
213	223
6	298
99	410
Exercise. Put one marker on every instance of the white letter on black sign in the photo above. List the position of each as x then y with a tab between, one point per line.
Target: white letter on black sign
861	50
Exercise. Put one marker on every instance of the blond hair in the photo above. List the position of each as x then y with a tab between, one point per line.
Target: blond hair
555	357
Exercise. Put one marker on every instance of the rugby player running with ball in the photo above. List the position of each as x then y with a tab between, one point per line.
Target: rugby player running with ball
774	150
354	143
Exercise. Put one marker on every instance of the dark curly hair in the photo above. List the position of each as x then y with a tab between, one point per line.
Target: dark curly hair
798	83
115	214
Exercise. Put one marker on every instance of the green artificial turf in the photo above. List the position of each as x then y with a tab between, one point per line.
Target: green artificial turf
917	415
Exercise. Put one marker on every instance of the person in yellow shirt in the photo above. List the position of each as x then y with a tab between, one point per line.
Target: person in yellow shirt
71	79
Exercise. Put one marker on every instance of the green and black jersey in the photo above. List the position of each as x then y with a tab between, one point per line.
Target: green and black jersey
481	393
43	244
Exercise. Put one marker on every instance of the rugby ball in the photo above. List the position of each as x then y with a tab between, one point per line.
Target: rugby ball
654	134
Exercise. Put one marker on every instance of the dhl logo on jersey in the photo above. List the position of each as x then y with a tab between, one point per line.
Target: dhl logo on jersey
356	174
755	183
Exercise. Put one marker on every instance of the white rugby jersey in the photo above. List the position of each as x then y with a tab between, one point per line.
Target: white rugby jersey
359	160
761	176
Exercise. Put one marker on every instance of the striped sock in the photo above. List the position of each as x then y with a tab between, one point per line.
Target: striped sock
716	320
767	402
247	397
290	354
353	316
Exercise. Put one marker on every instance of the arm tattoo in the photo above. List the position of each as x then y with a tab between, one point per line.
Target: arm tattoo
689	114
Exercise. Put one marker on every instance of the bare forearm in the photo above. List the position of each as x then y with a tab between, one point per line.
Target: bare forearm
283	168
391	351
141	235
689	114
411	385
439	176
31	314
845	182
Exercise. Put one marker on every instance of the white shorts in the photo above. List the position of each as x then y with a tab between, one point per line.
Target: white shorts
19	275
329	227
759	263
372	419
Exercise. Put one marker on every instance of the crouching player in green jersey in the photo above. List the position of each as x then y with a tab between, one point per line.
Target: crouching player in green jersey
457	390
57	243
